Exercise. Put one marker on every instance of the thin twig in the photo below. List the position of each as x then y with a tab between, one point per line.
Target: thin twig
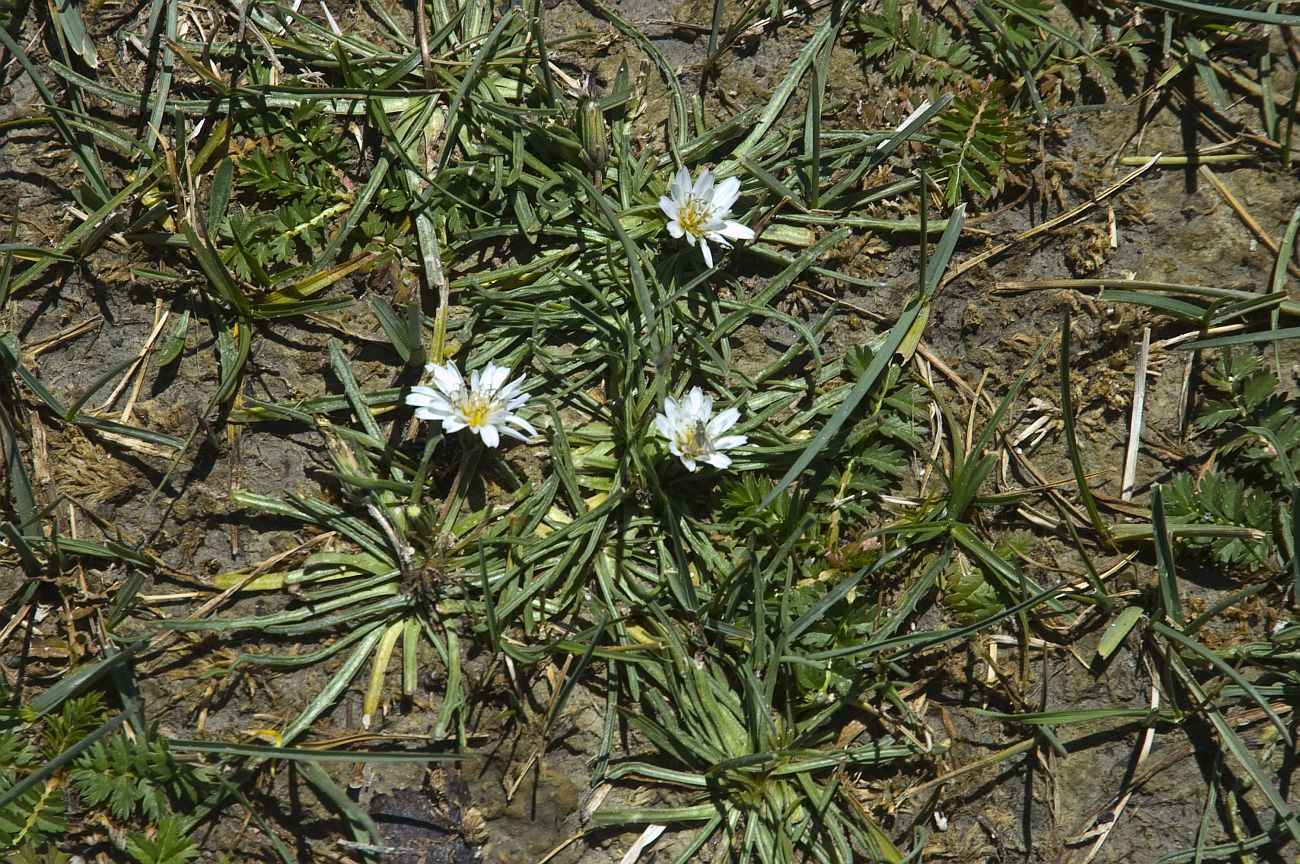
1049	225
1135	417
1246	219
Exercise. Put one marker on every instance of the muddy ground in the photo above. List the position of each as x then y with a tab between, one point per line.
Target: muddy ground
1169	225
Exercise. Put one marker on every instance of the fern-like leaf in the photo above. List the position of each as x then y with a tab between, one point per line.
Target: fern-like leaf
979	140
168	845
913	44
141	775
1225	501
34	815
75	720
32	853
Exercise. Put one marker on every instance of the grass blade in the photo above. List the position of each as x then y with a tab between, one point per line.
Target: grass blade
1237	678
1072	438
1169	602
884	355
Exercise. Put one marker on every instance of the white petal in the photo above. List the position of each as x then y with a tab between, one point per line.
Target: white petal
437	409
681	185
689	463
431	414
664	426
429	404
718	460
494	377
725	195
694	405
708	254
490	435
670	207
730	442
703	189
420	396
522	424
510	388
517	385
724	421
675	229
447	378
453	424
737	231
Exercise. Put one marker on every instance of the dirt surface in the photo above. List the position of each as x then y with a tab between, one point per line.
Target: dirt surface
1169	225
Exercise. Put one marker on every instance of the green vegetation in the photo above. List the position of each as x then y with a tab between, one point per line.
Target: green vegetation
763	641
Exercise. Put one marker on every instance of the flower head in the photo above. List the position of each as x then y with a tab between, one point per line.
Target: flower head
694	435
485	406
699	212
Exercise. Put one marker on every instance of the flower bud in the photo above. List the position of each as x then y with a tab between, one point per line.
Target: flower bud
591	134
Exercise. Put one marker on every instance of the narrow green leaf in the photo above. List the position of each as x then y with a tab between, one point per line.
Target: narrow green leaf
1169	602
1118	631
1204	71
1237	678
363	827
1241	339
1229	738
1223	12
1080	715
883	357
84	152
343	369
576	675
176	342
99	384
162	13
631	251
218	276
1072	438
9	354
20	483
336	685
219	195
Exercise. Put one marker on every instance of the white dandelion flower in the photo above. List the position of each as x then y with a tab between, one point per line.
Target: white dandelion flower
486	406
694	435
699	213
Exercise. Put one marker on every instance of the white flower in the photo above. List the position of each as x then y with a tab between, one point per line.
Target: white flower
699	212
486	406
695	436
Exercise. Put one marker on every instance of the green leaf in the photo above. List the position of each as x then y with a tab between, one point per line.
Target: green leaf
176	342
894	338
1119	630
168	845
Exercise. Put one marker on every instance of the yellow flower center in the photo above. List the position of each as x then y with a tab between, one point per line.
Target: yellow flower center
694	215
475	408
694	440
